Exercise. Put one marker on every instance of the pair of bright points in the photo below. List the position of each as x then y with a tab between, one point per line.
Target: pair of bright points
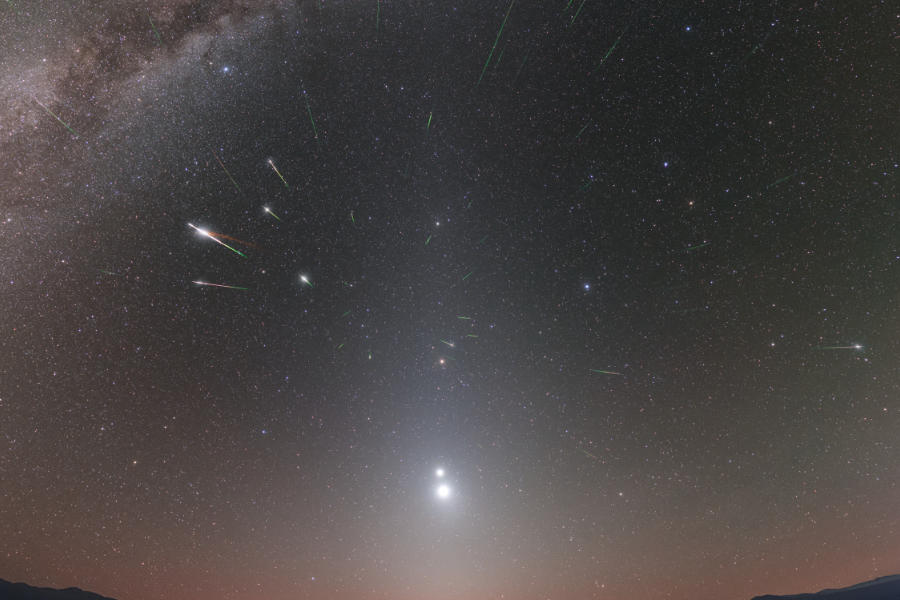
443	490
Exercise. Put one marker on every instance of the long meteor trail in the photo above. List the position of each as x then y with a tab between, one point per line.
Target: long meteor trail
607	372
55	117
209	235
316	133
231	287
487	62
838	347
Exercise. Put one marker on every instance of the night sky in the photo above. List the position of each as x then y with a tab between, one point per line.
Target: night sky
626	273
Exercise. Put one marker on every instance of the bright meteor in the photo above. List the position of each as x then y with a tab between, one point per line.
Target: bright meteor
279	174
210	236
271	213
857	347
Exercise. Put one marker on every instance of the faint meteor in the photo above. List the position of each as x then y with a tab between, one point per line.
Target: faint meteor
607	372
589	454
316	133
210	236
226	172
428	126
377	16
470	335
466	318
780	180
13	7
429	239
522	65
231	287
351	217
158	39
487	62
279	174
610	50
467	276
692	248
57	118
481	240
347	313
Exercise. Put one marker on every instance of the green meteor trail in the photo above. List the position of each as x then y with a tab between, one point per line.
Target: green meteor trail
576	13
57	118
585	185
589	454
429	239
567	7
466	318
467	276
780	180
479	445
316	133
226	171
580	132
488	61
610	50
273	214
306	281
346	313
158	39
607	372
351	217
692	248
279	174
341	346
470	335
448	343
481	240
428	126
231	287
837	348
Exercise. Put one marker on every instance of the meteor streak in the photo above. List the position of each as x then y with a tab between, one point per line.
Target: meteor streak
481	240
231	287
610	50
226	171
428	126
346	313
55	117
780	180
467	276
522	65
273	214
158	39
316	133
448	343
589	454
306	281
857	347
607	372
487	62
279	174
466	318
692	248
576	13
470	335
210	236
429	239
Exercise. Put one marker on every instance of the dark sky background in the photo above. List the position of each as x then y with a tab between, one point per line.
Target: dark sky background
628	275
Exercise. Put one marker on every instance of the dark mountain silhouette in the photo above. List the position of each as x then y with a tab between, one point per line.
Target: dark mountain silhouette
883	588
21	591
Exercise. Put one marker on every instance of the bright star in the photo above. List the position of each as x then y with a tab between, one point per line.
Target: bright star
443	491
440	472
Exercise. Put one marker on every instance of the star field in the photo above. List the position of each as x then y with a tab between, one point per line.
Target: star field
478	300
